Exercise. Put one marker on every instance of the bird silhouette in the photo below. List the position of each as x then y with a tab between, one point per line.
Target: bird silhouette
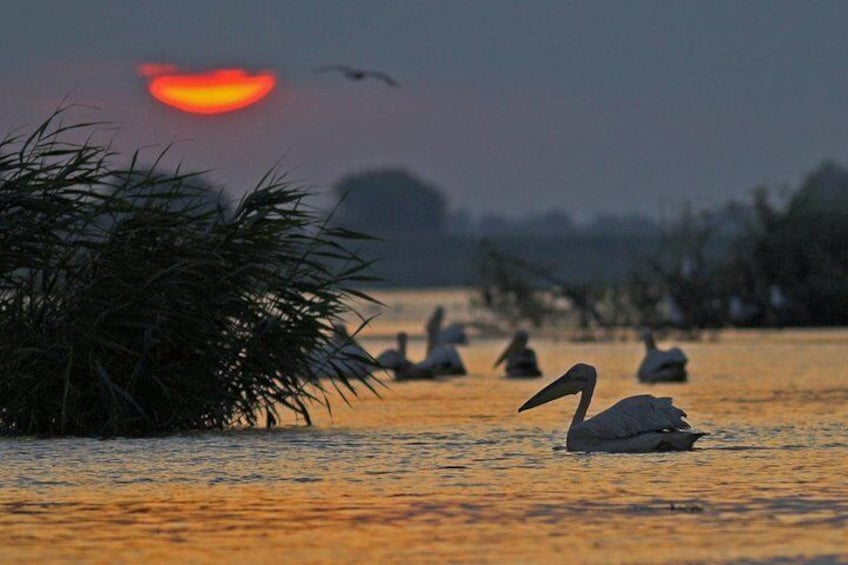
358	74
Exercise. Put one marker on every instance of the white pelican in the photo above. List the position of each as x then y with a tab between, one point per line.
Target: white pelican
520	359
443	360
454	334
660	366
342	357
637	424
403	368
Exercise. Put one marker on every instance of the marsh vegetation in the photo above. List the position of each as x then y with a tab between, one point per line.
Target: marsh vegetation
134	301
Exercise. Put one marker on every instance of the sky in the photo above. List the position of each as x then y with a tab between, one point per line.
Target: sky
508	107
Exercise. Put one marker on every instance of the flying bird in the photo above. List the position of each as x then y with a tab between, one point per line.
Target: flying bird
661	366
358	74
637	424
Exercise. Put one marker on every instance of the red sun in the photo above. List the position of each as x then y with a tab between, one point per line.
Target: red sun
211	92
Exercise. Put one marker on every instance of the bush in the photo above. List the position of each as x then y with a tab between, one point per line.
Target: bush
123	313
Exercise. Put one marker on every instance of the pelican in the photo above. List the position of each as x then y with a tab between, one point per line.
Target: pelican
342	357
637	424
443	360
453	334
434	327
358	74
520	359
403	368
660	366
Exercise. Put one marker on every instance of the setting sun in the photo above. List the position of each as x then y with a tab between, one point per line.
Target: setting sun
211	92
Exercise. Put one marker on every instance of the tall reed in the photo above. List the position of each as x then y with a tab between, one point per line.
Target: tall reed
131	305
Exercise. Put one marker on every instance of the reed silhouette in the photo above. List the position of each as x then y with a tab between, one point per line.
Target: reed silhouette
122	313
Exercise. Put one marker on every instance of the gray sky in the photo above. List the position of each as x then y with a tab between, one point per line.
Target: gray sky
509	107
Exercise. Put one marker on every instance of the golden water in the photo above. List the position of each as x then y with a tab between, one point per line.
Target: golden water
449	472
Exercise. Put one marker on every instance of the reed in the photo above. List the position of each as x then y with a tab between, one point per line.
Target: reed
130	305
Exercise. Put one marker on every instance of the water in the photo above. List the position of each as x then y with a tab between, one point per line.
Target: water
450	472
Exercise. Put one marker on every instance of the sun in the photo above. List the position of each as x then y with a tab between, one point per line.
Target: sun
211	92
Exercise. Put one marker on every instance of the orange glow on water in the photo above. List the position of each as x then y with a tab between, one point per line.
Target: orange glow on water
212	92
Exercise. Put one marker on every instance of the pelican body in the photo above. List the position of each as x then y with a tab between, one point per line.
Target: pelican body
520	359
442	358
403	369
342	357
637	424
659	366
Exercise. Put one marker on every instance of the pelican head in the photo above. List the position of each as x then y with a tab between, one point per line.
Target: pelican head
517	343
577	379
520	338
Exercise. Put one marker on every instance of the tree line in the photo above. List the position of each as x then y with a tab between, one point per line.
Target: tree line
759	262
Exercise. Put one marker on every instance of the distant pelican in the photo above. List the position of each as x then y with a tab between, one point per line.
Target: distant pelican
358	74
520	359
443	360
454	334
638	424
660	366
403	368
342	357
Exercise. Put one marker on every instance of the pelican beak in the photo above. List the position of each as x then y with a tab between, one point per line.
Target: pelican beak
563	386
513	345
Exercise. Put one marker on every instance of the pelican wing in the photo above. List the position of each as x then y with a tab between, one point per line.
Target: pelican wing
523	364
391	359
675	355
348	361
384	77
443	360
656	360
454	334
631	417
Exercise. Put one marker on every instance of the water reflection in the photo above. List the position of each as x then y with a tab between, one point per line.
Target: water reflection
448	472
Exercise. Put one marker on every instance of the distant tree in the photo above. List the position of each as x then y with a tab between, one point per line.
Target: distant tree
389	201
626	225
493	224
803	250
460	222
552	223
190	191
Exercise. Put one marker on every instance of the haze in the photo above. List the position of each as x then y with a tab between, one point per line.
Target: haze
508	107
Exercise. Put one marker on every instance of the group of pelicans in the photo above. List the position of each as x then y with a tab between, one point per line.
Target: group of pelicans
636	424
